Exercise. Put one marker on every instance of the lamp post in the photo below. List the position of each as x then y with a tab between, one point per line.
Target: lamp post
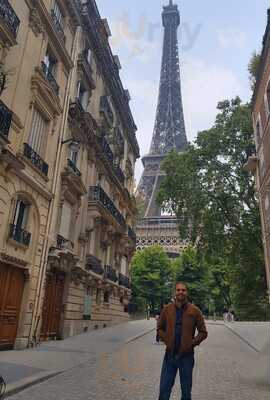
74	144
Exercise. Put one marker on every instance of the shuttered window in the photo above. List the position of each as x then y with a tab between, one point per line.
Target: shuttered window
38	133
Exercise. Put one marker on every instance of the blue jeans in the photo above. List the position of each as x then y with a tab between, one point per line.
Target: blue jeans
171	364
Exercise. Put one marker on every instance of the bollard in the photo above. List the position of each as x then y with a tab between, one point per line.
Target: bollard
2	387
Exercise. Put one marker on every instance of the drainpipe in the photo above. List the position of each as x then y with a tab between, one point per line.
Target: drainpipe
52	205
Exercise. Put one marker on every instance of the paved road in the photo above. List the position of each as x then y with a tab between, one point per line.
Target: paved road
21	368
224	371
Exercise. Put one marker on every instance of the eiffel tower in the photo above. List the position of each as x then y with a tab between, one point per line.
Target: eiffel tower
169	133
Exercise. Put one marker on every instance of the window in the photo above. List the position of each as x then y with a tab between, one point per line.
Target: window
50	62
262	163
66	217
82	95
258	131
106	297
74	156
87	305
37	139
58	13
124	265
21	214
267	99
98	296
88	55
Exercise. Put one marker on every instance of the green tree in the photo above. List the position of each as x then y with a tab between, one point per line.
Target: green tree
190	270
253	69
151	277
215	201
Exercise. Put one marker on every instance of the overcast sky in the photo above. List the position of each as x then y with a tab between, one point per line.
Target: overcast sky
216	40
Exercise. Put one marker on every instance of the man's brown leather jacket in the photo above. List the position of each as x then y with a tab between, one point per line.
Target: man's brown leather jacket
192	319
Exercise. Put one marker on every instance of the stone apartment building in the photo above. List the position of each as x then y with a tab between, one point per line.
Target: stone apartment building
259	157
67	155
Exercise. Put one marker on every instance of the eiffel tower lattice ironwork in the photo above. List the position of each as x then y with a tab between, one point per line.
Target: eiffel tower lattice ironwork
169	133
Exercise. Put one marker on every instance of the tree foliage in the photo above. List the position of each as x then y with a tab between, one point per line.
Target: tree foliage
151	276
215	200
188	268
253	69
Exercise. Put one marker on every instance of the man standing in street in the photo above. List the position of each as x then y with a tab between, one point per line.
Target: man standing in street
177	326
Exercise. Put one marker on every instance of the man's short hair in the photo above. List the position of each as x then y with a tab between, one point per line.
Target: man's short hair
182	283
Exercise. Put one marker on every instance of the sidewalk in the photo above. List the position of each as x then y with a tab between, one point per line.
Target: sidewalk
255	334
23	368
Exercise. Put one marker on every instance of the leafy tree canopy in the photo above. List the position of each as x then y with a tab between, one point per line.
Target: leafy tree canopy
151	275
215	201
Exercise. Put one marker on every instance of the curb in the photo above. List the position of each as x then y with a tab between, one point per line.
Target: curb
23	384
138	336
242	338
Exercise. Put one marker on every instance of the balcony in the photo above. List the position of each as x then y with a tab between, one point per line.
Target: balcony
35	159
50	78
124	281
94	264
58	27
106	110
131	234
5	120
73	167
110	274
97	194
9	17
106	148
19	235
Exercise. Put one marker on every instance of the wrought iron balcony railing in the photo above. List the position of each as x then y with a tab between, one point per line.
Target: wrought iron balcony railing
96	193
124	281
58	27
94	264
131	234
110	273
106	109
120	174
8	15
5	119
50	78
73	167
106	148
35	159
19	235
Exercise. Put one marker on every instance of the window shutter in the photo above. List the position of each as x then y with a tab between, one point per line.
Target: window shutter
37	138
65	220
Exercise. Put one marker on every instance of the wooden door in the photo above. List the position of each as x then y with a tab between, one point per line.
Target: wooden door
11	292
52	306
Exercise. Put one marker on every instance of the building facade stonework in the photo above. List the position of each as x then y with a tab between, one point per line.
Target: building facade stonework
67	155
259	157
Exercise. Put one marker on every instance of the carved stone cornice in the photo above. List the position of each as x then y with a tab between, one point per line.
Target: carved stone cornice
18	262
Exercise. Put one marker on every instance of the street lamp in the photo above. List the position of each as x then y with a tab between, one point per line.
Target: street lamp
74	144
